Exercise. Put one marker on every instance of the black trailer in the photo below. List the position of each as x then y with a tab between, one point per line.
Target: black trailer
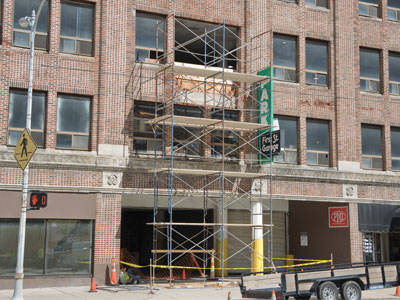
327	282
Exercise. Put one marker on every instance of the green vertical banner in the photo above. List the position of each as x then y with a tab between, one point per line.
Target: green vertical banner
266	110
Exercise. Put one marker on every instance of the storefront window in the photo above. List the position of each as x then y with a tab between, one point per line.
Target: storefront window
34	246
69	247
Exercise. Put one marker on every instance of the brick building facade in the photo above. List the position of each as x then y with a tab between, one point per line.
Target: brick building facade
99	182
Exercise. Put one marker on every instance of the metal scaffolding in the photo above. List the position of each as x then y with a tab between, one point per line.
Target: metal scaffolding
222	173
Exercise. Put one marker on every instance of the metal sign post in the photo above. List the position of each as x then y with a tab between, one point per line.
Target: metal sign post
25	146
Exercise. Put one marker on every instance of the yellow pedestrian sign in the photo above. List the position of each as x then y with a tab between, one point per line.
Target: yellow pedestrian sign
24	149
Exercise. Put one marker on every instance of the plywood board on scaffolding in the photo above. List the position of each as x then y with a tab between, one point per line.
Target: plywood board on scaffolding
198	172
207	123
210	73
183	251
208	224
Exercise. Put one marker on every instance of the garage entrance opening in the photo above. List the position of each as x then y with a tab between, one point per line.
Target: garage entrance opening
137	237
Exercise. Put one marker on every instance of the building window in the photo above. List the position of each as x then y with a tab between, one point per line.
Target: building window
186	140
371	137
316	62
202	44
285	57
318	142
369	70
288	129
17	116
393	10
368	8
143	140
73	122
372	247
149	37
394	73
395	143
51	246
229	138
321	3
21	35
76	33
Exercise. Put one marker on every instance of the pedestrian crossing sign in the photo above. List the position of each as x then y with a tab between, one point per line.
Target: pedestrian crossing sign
24	149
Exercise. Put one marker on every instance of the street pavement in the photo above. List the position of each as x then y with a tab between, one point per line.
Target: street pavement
142	292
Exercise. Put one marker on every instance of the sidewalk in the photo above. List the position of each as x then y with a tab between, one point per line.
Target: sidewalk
142	292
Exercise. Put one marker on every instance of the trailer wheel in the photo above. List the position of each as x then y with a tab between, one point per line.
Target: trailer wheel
327	291
350	290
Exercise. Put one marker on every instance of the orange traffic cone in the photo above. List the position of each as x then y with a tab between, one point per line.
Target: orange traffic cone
397	291
92	286
273	297
183	274
113	278
212	272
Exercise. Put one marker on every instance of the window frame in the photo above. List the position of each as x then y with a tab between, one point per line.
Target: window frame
284	151
396	12
286	71
142	137
317	5
231	146
92	6
369	6
370	80
394	158
372	157
183	145
393	83
74	134
315	72
21	129
27	31
319	153
157	53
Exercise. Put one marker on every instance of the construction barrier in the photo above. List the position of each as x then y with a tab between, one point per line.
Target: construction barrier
313	262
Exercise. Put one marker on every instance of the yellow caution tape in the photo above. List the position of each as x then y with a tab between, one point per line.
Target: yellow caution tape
313	262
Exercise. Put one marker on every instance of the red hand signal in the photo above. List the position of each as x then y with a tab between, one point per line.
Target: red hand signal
34	199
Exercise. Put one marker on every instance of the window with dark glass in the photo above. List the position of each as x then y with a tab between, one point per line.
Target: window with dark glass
393	10
369	70
76	29
395	146
372	247
285	57
143	140
73	122
52	247
321	3
227	138
149	37
316	62
394	73
17	116
368	8
21	35
185	138
202	43
288	129
371	138
318	142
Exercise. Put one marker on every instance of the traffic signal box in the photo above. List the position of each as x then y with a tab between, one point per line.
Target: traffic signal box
38	200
